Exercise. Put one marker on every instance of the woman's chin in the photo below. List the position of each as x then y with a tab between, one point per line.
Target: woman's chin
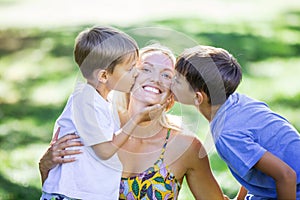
148	98
151	101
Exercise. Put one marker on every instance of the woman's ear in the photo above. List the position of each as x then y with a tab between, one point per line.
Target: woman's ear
102	76
170	102
198	99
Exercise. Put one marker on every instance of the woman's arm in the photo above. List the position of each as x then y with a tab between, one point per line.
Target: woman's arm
199	176
56	152
284	176
241	194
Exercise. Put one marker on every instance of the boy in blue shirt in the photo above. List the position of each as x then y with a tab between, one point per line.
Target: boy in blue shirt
260	147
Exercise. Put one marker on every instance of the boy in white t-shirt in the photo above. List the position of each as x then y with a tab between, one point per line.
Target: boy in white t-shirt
107	59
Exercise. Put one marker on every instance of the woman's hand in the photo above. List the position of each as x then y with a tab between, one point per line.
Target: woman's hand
56	152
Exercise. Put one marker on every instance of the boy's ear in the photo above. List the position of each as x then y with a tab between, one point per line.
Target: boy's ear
102	76
198	98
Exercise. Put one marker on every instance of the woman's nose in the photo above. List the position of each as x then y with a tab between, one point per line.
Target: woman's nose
155	77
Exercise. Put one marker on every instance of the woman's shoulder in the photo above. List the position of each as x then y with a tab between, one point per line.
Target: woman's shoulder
185	136
187	141
184	150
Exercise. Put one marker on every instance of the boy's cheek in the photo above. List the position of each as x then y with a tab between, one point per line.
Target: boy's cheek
174	87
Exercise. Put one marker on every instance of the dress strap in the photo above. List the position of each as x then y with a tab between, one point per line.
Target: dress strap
161	157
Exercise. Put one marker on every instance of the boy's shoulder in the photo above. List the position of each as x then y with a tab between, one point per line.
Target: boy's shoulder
86	99
243	103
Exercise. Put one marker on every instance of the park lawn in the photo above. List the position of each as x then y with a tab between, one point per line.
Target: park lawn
38	73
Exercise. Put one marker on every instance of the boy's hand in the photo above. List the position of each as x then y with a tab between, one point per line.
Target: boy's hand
149	113
154	111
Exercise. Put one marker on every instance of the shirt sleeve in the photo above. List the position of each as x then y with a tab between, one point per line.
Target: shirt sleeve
239	150
91	119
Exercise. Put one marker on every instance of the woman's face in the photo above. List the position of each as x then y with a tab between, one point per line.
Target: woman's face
153	83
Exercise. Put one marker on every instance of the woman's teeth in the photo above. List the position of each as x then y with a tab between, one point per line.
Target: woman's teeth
151	89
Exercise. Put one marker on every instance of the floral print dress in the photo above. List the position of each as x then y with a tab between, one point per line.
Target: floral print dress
155	183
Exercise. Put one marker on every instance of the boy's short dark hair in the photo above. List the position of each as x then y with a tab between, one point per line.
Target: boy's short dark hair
103	48
211	70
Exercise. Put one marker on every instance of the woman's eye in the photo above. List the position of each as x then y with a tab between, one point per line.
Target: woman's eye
166	76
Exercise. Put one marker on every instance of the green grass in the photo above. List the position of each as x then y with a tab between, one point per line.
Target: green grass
37	73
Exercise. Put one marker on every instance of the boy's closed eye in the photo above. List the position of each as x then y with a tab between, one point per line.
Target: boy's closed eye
176	79
146	68
131	68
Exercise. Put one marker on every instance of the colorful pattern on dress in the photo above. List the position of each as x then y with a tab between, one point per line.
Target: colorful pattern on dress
155	183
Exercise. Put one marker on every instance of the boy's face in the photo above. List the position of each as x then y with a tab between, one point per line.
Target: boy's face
182	90
123	77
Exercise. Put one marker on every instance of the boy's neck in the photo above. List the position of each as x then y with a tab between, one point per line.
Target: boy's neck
209	111
100	88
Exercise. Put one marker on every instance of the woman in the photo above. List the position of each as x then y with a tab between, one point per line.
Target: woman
157	156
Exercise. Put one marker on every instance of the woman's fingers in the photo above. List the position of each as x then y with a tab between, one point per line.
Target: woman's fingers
55	137
62	159
66	138
66	141
66	144
58	149
66	160
62	153
57	152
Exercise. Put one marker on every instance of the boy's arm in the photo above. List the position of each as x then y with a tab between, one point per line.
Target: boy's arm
284	176
106	150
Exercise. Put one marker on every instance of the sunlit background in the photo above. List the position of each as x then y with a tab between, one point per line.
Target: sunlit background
37	71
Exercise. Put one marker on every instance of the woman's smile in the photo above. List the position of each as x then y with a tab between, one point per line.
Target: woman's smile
152	89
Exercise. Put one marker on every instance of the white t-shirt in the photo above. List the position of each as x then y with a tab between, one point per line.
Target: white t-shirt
94	120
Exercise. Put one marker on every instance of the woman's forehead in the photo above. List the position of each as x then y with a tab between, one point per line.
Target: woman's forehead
157	58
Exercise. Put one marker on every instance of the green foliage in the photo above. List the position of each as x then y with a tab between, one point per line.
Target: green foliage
37	73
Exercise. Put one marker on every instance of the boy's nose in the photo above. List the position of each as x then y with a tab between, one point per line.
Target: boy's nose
135	72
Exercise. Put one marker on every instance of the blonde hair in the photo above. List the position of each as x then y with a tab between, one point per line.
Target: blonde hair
158	48
121	100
